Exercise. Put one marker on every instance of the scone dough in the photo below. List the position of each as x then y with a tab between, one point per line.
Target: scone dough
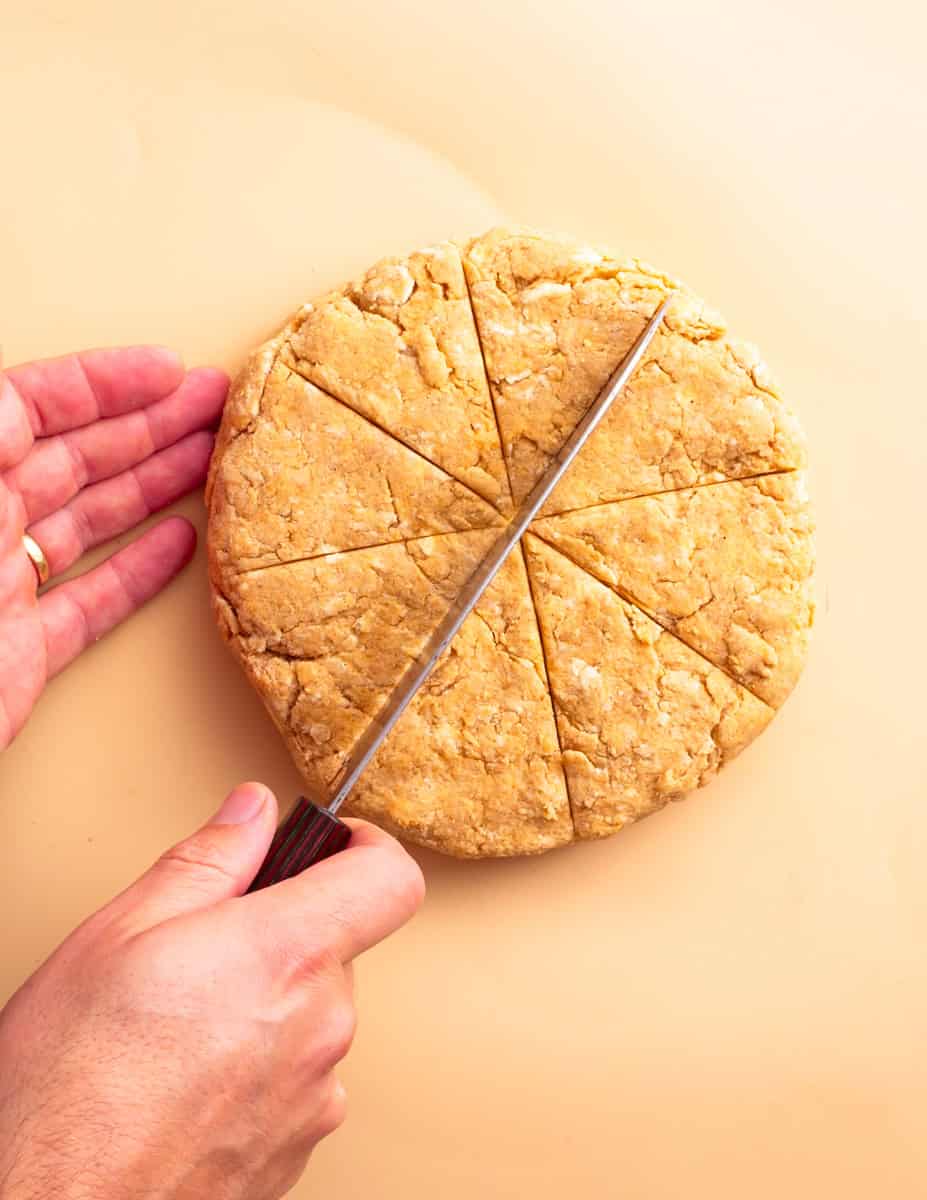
643	719
726	567
275	499
474	763
400	346
644	632
555	320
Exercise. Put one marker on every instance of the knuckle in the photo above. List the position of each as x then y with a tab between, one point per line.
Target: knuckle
346	1028
337	1034
333	1114
299	962
75	463
198	858
83	528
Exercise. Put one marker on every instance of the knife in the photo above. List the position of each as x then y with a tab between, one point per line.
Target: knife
311	833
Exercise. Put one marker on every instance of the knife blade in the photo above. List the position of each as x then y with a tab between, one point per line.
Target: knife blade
311	832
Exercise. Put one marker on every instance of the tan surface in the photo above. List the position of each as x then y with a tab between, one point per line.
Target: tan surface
726	567
727	1000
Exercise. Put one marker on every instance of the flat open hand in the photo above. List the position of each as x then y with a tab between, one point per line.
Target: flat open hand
90	445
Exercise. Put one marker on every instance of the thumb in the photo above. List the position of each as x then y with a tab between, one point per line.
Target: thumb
215	863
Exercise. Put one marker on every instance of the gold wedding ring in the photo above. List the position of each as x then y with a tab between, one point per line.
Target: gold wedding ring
37	558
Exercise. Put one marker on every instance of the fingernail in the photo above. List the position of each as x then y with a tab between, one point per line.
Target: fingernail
242	804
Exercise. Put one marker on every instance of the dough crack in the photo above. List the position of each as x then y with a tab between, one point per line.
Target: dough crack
500	644
392	500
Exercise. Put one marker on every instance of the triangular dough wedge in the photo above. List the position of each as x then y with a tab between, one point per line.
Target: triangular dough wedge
726	567
555	318
473	766
400	346
643	719
306	475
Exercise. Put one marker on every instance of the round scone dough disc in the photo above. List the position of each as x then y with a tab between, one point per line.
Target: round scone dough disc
645	631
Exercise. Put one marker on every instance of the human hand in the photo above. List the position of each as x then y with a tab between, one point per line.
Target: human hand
182	1042
90	445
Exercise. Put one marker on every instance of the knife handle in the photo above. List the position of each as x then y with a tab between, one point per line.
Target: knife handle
308	835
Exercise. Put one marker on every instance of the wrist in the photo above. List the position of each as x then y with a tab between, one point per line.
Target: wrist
36	1174
46	1154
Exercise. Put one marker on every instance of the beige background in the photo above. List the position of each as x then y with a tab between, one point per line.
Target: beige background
728	1000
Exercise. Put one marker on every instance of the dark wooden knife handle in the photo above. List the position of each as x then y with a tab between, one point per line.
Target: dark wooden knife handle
308	835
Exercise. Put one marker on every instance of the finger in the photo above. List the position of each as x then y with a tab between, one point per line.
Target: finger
105	510
65	393
343	905
58	467
214	864
77	613
15	430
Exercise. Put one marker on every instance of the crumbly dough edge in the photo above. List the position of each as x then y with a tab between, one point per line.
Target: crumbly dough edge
241	411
